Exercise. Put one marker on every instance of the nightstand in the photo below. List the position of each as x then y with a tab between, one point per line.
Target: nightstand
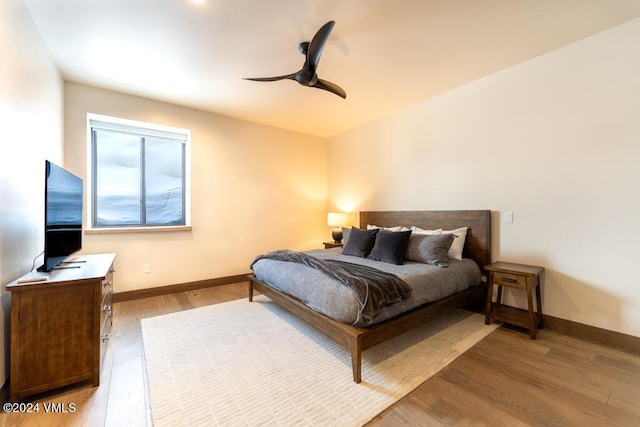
516	276
329	245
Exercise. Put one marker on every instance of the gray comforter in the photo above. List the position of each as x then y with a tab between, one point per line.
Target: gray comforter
374	288
326	295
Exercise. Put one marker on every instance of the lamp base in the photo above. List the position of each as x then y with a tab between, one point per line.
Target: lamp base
337	235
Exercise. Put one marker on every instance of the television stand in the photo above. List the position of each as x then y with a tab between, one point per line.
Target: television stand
65	264
59	266
60	327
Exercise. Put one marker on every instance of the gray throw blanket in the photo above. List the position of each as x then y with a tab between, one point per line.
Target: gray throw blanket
373	288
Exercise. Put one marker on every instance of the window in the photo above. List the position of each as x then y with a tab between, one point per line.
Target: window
138	174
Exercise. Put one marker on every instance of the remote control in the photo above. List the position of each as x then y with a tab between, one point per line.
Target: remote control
33	279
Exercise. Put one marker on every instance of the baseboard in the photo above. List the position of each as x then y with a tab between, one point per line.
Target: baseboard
180	287
613	339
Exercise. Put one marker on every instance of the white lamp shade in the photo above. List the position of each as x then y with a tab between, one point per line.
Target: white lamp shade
336	219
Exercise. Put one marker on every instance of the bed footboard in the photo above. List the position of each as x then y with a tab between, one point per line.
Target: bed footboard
357	340
346	335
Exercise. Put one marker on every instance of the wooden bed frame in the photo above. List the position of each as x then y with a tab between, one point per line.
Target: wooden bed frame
477	247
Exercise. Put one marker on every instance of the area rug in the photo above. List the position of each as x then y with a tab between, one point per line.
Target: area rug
242	363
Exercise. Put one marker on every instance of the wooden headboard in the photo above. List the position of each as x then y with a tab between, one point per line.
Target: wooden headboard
477	245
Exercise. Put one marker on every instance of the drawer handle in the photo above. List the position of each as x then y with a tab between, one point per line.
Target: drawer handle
105	337
106	283
106	308
507	280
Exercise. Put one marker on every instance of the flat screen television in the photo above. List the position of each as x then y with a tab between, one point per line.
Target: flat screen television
62	215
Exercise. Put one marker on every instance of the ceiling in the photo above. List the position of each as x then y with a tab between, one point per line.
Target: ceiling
385	54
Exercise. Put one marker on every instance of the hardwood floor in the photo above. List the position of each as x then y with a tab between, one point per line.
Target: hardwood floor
506	379
510	380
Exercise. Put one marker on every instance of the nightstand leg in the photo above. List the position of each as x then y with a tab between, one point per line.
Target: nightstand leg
532	317
539	303
487	308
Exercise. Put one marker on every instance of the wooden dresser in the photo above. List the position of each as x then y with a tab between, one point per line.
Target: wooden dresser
60	327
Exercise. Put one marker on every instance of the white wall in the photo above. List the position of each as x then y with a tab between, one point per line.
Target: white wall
31	126
556	140
254	188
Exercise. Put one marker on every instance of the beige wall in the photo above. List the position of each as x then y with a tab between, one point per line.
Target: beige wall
254	188
556	140
31	126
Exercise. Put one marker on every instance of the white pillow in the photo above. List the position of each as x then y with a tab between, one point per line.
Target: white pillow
418	230
457	246
397	228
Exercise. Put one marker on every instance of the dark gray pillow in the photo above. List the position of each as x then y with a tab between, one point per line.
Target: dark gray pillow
345	234
360	242
390	246
430	248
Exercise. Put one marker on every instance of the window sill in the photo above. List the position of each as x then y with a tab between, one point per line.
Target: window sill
136	230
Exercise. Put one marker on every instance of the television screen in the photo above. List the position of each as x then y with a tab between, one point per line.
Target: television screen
62	215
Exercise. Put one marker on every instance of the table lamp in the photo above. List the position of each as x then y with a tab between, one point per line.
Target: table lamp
337	220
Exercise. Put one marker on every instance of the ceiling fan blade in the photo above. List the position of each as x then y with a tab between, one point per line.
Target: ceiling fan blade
270	79
317	45
331	87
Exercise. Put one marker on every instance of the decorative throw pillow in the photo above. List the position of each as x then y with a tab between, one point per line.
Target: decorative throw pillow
457	246
418	230
396	228
430	248
390	246
360	242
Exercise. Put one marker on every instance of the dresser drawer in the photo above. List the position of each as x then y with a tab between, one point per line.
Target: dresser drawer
105	329
510	280
107	284
106	312
106	308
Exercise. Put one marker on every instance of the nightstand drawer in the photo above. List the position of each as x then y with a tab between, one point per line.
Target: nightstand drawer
510	280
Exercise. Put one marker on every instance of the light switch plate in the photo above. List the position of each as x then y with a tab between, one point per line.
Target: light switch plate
508	217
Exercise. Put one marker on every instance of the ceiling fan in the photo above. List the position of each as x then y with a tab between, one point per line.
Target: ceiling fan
307	75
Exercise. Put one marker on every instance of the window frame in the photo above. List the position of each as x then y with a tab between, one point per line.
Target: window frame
143	129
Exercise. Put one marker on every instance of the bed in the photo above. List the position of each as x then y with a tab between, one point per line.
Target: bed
356	337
